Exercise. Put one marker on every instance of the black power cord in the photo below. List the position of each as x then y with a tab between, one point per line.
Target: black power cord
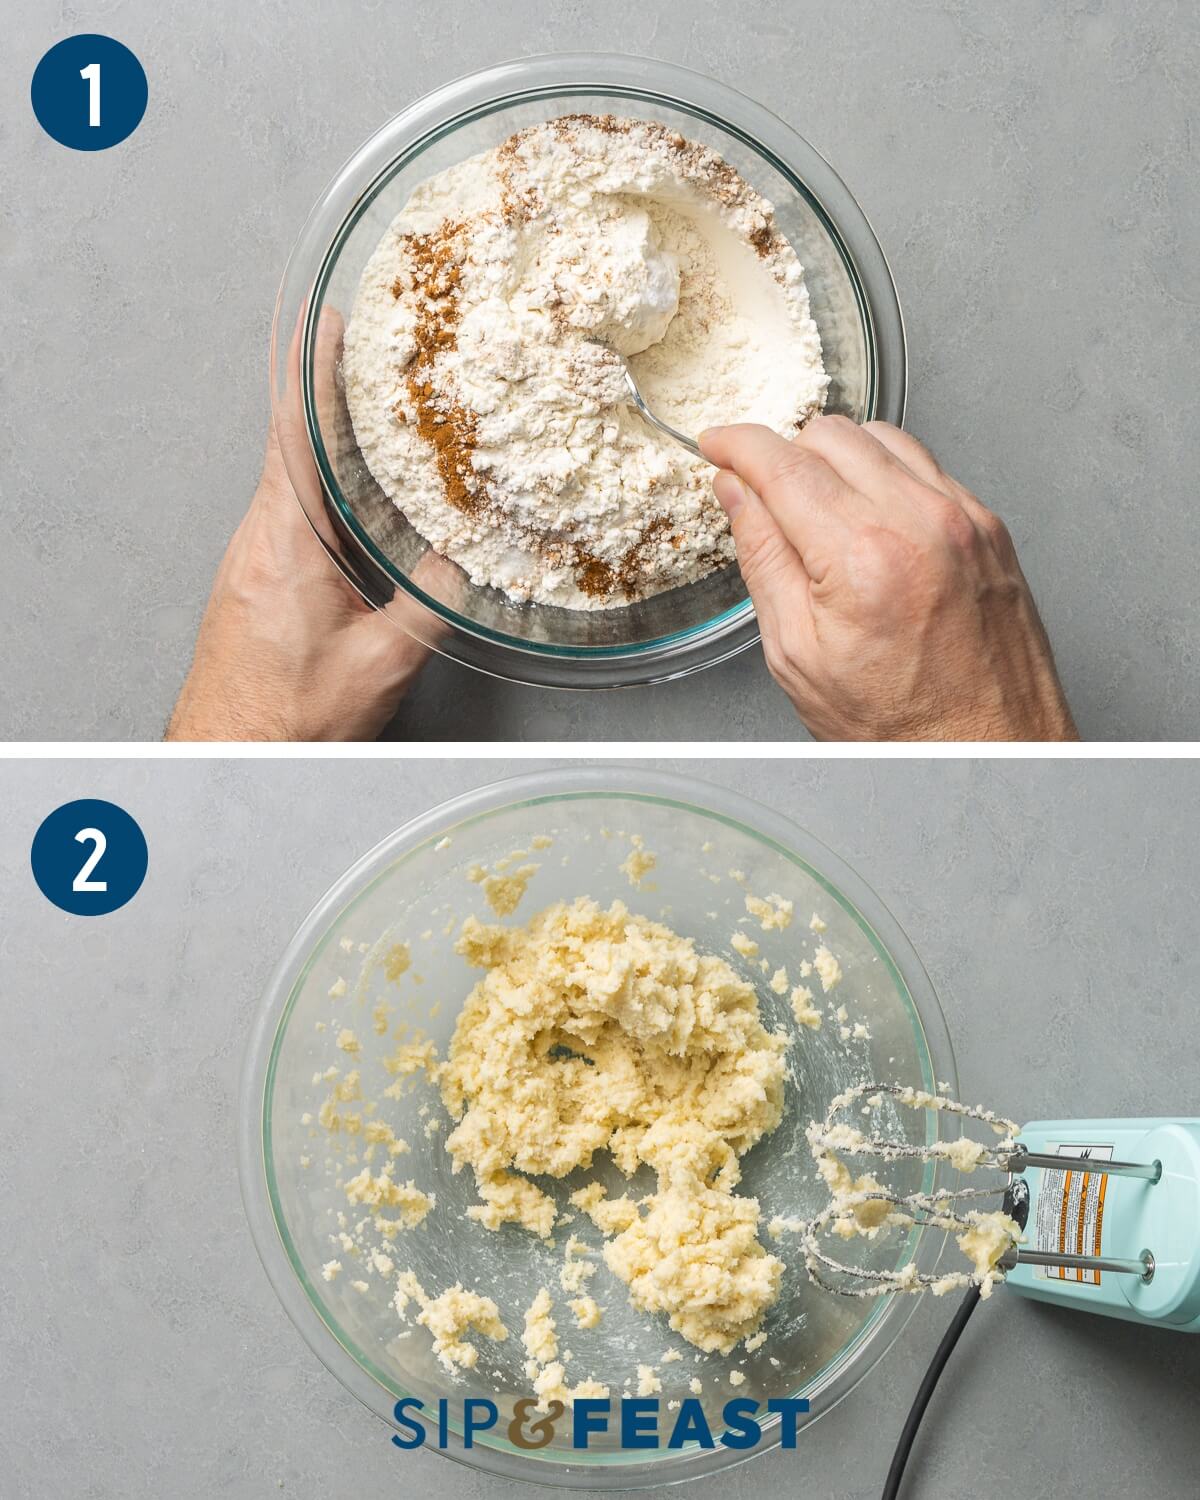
1016	1206
908	1433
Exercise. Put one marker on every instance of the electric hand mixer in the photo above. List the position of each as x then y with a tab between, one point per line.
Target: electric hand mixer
1096	1214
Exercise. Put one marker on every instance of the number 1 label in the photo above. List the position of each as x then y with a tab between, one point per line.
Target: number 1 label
83	121
92	74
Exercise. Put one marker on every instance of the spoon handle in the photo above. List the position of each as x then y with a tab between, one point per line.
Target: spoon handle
664	427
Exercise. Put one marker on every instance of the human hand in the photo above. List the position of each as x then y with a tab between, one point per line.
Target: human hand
891	602
287	650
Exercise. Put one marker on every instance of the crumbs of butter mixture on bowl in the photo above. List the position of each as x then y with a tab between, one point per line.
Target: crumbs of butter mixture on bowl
592	1033
595	1031
449	1317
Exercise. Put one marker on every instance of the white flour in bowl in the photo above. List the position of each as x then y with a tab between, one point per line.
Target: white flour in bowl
485	402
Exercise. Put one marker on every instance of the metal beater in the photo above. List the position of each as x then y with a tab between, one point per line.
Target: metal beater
1097	1214
1105	1213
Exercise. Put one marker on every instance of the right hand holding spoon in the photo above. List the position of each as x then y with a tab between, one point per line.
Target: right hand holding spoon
891	602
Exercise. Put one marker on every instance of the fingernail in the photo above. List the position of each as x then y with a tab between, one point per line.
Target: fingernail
730	492
703	437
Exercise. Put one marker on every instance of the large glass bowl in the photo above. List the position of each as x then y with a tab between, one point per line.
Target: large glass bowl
853	300
413	887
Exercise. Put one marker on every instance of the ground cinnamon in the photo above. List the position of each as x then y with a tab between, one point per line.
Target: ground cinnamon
436	261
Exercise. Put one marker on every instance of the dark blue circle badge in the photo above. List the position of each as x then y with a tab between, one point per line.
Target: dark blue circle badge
89	92
89	857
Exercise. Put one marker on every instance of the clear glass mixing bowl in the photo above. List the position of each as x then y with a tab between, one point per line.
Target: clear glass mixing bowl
853	299
408	888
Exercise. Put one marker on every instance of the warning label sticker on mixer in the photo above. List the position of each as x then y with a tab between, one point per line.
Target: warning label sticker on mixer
1070	1210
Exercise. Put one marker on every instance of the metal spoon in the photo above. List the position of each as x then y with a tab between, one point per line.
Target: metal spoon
639	401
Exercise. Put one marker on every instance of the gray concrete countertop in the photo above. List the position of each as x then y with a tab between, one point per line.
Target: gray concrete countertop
1031	172
145	1354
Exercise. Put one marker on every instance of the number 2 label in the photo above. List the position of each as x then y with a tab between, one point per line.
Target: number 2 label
83	881
92	74
89	857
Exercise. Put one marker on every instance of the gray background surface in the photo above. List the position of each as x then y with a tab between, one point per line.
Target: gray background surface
1031	171
144	1353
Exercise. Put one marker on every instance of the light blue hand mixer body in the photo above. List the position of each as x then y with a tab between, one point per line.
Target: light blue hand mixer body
1108	1211
1113	1218
1099	1215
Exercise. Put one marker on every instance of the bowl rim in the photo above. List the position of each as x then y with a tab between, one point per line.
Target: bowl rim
399	141
689	794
